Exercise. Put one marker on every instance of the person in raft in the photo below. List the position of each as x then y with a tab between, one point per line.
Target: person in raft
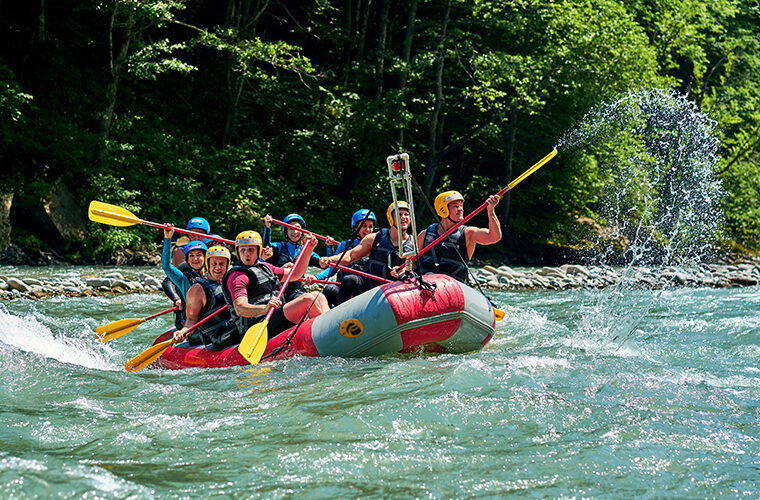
250	289
183	277
170	289
451	256
381	248
284	252
204	297
362	223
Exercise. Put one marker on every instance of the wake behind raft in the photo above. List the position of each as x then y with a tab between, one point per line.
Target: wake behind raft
398	317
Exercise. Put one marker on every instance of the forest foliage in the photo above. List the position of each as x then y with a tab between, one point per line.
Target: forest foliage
234	109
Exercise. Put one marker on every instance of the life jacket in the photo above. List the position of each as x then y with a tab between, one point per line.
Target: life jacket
262	286
359	265
220	331
193	277
294	288
443	257
384	256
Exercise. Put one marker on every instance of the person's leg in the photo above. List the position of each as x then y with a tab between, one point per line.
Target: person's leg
312	303
331	293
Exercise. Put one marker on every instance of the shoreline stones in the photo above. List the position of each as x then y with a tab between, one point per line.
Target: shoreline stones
13	287
565	277
571	276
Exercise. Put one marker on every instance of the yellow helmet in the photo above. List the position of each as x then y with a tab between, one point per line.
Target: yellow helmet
389	213
442	201
248	238
218	251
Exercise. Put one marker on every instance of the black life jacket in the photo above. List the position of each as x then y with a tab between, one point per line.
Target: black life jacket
193	277
262	286
294	288
384	256
220	331
443	257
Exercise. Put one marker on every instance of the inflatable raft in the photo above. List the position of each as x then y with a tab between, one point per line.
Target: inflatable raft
396	317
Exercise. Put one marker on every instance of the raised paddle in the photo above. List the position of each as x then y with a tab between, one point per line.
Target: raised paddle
482	207
113	215
255	340
124	326
338	266
152	353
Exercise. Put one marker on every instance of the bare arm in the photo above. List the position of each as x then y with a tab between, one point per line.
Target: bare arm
356	253
196	299
484	236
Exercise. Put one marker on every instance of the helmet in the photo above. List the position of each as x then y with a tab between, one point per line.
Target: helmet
290	219
391	211
248	238
210	242
361	215
442	201
218	251
195	245
199	223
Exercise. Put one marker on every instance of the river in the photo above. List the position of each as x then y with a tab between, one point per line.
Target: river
552	407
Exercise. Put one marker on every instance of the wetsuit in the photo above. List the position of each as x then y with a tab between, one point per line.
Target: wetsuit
332	292
448	256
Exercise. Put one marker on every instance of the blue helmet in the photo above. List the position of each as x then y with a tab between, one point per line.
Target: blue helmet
360	215
290	219
195	245
199	223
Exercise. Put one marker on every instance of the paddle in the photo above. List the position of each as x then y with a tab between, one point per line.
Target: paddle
482	207
112	215
323	282
152	353
255	340
337	266
124	326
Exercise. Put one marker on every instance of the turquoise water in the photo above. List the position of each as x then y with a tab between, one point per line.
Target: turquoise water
552	407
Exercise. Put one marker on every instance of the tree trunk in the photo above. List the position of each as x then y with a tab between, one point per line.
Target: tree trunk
366	4
406	55
433	132
381	43
116	65
349	20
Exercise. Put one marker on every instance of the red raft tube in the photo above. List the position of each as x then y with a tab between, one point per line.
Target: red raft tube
396	317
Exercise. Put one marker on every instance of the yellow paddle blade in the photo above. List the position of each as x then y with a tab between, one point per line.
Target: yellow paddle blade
106	213
499	314
148	356
254	343
532	169
117	328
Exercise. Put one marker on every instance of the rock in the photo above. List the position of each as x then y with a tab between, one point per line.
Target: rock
64	213
551	272
573	270
113	276
742	280
6	200
150	282
18	285
126	284
98	282
32	281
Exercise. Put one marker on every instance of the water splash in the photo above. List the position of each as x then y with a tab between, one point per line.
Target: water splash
656	155
30	335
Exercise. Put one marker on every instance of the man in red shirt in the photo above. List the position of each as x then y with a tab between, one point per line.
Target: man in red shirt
251	287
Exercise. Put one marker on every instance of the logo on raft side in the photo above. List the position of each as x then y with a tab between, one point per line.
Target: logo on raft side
351	328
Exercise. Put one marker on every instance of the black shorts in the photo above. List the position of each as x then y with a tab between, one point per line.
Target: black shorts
278	323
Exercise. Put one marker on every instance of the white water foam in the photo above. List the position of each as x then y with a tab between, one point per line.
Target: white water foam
28	334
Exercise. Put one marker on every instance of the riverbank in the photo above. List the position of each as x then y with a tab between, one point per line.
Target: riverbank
569	276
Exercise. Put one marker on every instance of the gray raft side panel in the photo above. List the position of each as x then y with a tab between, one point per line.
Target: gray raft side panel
382	333
374	311
476	326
